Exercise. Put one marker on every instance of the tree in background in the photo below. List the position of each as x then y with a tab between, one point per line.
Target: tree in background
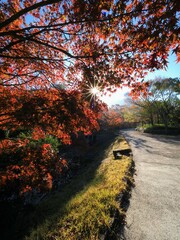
112	117
165	98
131	115
161	106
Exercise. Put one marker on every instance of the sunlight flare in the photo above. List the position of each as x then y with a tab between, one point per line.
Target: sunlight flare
94	91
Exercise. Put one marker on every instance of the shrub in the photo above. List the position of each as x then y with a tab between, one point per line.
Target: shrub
29	164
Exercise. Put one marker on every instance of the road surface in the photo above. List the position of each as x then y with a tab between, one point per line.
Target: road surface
154	211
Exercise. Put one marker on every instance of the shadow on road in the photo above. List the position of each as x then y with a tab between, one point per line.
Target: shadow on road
137	142
165	138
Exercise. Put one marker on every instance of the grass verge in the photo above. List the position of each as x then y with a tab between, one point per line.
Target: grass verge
89	213
159	129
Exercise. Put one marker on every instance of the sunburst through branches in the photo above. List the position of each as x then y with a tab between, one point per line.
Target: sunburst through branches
92	91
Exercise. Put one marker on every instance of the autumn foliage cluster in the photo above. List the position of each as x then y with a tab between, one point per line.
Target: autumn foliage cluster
112	117
112	42
29	167
29	161
77	44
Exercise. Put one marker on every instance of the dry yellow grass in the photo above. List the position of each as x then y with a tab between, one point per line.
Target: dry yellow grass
88	213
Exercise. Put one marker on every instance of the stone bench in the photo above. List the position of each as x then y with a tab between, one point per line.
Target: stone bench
119	153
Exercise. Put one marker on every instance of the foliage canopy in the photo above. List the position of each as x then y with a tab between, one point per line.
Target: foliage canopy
113	42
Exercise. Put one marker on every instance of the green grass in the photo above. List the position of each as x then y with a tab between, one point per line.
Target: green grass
88	213
159	129
150	126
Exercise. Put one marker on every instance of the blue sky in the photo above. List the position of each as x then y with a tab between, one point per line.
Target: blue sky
172	71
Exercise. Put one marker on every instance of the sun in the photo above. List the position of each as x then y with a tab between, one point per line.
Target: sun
94	90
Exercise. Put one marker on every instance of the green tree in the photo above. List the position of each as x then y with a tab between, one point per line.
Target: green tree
166	99
161	105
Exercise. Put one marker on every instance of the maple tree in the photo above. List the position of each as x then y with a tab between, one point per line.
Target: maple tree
29	167
113	42
78	44
112	117
52	111
29	161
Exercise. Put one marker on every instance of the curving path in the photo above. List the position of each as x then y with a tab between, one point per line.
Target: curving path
154	211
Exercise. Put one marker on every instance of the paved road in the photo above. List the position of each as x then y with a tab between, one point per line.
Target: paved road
154	211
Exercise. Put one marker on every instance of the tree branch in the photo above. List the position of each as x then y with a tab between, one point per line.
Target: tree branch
62	50
26	10
34	58
49	2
